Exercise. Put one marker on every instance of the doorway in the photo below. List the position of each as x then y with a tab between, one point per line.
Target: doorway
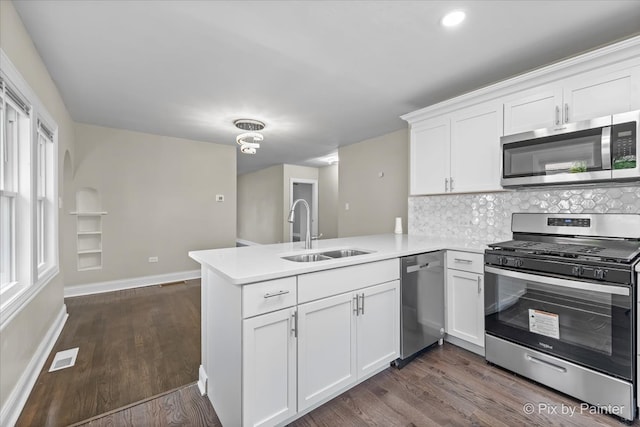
306	189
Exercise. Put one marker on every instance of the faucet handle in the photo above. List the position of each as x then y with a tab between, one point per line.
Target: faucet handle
316	237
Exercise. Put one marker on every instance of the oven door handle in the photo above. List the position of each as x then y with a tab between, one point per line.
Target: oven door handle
585	286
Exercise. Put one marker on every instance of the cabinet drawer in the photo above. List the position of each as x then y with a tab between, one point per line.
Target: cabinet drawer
466	261
263	297
326	283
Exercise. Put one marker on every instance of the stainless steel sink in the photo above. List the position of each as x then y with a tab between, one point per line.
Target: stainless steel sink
324	256
341	253
306	258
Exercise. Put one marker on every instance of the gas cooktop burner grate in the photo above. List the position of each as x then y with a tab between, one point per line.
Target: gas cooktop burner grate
566	250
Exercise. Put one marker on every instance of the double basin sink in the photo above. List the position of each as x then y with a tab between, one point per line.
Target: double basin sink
324	256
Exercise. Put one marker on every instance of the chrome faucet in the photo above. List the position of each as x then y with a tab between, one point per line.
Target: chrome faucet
292	217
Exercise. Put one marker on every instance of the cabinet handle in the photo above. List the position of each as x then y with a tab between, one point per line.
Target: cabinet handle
465	261
356	304
451	183
362	306
479	286
566	112
275	294
557	115
446	185
294	324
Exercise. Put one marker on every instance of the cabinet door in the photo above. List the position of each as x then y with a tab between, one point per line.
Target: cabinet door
378	327
429	156
465	306
269	368
475	148
533	109
597	94
326	348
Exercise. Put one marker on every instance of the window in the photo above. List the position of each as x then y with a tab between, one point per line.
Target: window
28	193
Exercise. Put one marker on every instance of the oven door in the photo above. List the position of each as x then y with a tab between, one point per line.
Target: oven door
588	323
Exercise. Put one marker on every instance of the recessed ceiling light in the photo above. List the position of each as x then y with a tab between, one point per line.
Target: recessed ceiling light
454	18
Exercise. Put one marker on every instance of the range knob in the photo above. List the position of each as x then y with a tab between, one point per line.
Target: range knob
599	273
577	271
503	260
518	262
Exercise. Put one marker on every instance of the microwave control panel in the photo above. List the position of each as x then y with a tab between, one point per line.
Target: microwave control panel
623	146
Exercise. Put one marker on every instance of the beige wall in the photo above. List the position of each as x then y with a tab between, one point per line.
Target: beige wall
159	194
292	171
21	336
264	200
260	202
328	201
373	202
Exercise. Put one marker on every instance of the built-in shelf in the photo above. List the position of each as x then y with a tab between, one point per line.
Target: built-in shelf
90	251
83	233
88	229
87	213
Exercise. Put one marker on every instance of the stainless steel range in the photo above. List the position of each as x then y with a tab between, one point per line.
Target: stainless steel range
560	305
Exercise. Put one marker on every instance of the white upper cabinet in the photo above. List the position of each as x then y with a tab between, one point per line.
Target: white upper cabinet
533	109
598	94
589	95
457	153
475	148
429	156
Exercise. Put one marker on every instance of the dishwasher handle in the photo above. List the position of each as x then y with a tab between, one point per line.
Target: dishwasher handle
426	266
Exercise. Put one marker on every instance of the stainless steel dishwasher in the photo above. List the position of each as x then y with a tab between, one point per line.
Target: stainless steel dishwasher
422	295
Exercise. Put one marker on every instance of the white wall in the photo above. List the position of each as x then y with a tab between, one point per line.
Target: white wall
159	193
20	337
328	181
374	201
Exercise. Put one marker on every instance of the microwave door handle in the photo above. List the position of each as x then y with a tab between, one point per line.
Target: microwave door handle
574	284
605	144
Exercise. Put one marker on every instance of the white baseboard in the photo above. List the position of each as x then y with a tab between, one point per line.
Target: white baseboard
202	381
136	282
15	402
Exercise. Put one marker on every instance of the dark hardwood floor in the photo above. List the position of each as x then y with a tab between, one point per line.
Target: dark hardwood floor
446	386
146	342
134	344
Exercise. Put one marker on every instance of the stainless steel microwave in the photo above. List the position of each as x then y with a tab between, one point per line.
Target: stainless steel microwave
603	149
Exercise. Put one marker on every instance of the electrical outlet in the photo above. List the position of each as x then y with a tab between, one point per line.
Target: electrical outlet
153	259
219	197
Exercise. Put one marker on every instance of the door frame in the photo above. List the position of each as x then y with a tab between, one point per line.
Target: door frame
314	204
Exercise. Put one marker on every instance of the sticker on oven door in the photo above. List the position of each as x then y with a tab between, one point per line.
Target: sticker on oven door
544	323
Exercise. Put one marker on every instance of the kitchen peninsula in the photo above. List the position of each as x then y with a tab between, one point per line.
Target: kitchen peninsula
282	337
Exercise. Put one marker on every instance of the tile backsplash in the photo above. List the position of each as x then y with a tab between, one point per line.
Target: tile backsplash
486	217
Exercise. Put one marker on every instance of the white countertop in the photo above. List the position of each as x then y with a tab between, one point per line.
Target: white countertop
250	264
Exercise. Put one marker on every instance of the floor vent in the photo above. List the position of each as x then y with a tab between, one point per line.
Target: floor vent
64	359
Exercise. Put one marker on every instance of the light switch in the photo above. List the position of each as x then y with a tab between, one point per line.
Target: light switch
346	206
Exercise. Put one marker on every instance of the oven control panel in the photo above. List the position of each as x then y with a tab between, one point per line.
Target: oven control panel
585	271
569	222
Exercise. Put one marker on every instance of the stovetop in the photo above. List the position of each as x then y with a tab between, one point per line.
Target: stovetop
617	250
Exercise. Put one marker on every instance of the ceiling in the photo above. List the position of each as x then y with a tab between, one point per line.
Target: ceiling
320	74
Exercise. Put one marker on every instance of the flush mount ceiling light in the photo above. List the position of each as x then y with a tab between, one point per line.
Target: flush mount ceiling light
452	19
249	124
249	137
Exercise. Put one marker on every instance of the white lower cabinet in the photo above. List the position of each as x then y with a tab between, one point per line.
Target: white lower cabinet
326	348
269	368
378	328
465	306
344	338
